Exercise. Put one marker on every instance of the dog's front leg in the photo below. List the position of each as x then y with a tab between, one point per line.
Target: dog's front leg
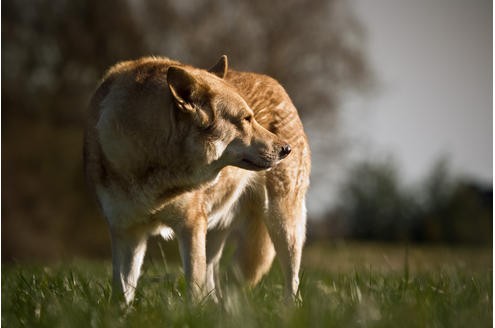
128	249
192	246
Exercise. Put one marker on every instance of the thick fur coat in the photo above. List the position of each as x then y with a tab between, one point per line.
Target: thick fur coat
175	150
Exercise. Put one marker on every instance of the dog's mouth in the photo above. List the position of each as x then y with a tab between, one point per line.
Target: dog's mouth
250	165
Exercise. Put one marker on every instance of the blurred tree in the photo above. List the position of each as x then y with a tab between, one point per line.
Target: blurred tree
453	210
314	48
55	51
375	203
472	214
434	196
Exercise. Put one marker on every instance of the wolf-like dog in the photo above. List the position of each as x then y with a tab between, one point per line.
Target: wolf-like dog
180	151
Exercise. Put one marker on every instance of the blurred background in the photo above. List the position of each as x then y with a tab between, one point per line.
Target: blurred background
395	96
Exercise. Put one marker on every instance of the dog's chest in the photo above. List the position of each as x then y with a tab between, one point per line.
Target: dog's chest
221	199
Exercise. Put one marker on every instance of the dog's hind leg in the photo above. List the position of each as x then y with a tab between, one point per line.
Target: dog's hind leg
286	222
215	240
255	250
128	249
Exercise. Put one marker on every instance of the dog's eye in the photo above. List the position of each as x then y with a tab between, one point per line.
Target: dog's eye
248	118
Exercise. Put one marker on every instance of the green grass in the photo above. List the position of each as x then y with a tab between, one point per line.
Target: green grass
78	295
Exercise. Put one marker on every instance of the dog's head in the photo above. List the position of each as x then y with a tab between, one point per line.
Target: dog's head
223	129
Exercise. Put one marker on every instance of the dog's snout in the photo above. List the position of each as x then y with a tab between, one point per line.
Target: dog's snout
284	151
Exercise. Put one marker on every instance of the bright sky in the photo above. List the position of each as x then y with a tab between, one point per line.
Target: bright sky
433	61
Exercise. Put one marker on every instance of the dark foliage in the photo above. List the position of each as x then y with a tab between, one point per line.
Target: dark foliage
375	205
54	52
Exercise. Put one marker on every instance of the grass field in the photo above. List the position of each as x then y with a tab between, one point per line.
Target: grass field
343	285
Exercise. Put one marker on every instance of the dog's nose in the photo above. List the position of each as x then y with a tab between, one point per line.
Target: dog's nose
285	151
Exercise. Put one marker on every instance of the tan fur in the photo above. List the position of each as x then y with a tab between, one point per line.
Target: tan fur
255	251
169	146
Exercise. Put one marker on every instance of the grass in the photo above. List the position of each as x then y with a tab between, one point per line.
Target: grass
369	292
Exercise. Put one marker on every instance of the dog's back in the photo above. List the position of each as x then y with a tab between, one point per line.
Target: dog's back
284	186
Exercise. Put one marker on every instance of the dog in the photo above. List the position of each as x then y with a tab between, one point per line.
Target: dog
180	151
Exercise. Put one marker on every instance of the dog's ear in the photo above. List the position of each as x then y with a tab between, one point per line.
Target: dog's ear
220	68
181	85
186	91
